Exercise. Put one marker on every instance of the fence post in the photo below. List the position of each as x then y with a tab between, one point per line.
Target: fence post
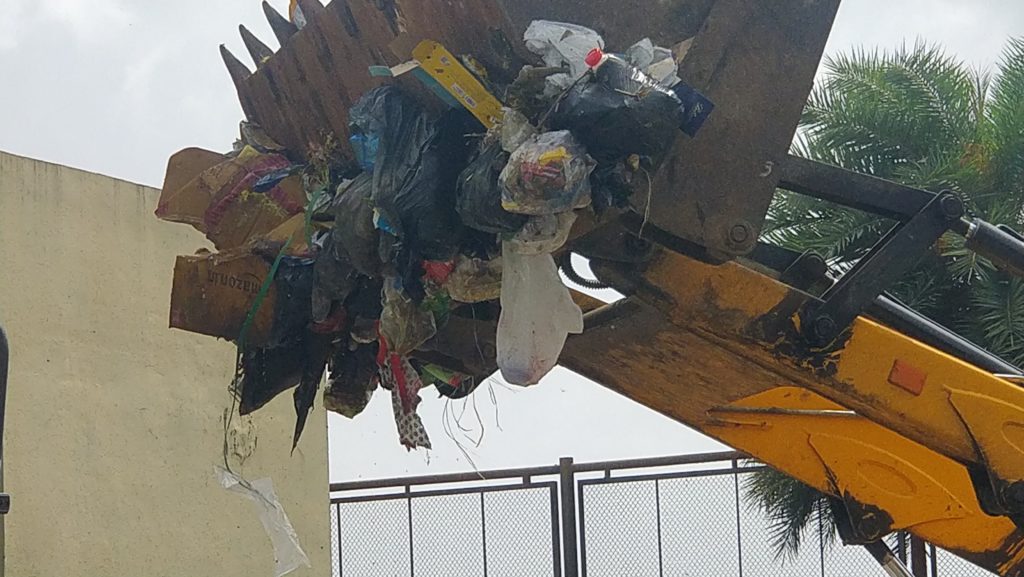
567	484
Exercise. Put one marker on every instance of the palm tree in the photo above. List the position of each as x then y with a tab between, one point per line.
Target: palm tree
918	117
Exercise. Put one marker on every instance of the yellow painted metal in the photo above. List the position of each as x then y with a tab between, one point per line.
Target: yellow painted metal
717	347
691	375
889	482
962	412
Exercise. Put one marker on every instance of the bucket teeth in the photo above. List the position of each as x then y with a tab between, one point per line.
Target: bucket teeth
282	27
259	51
239	72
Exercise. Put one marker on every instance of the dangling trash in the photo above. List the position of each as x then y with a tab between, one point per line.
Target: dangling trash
403	324
544	234
537	315
548	174
479	194
448	72
334	279
293	309
399	376
561	45
266	373
318	352
288	553
214	294
449	384
475	280
353	380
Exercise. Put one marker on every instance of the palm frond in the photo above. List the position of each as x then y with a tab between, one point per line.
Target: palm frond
1006	111
997	307
791	508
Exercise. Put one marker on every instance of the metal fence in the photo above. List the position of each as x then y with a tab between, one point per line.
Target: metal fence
667	517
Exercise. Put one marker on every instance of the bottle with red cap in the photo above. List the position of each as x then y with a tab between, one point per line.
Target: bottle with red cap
615	72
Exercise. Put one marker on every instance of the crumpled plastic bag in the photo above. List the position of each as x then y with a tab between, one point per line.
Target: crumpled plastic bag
623	112
288	553
416	168
537	315
479	194
515	130
561	45
404	325
657	62
548	174
356	239
475	280
544	234
352	381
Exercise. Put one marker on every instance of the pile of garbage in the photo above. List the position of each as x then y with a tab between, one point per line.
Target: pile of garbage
429	261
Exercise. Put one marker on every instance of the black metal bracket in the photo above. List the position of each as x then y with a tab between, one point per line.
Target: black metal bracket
825	319
997	497
923	218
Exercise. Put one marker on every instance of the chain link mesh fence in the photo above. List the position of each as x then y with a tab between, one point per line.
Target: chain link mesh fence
508	532
684	523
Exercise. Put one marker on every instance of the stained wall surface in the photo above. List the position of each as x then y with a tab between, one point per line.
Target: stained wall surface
115	422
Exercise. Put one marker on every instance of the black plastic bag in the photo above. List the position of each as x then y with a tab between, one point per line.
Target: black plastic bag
266	373
416	169
479	194
317	354
335	279
613	125
352	380
294	309
355	236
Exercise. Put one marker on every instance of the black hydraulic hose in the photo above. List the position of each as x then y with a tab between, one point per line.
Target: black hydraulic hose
566	266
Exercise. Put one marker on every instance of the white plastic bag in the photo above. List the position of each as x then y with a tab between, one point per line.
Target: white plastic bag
562	45
288	553
544	234
537	315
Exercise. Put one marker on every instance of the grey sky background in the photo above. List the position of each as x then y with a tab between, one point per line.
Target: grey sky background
117	86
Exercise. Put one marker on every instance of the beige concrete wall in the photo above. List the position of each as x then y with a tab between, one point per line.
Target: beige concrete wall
114	421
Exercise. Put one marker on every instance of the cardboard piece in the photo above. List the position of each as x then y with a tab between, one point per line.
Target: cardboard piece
183	198
213	294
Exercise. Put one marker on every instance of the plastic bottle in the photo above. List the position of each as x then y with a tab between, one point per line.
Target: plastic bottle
615	72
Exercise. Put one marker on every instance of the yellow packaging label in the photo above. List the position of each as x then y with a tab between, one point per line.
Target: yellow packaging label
446	69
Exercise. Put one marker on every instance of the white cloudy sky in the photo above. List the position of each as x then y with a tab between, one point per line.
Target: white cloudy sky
116	86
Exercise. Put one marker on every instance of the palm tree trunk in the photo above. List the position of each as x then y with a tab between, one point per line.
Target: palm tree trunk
891	564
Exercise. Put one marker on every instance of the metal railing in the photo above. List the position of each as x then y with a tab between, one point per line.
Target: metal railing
672	516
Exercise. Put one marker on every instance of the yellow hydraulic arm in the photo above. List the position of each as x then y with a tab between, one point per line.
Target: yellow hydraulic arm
689	343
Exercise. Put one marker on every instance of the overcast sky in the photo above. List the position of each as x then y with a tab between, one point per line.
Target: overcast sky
117	86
